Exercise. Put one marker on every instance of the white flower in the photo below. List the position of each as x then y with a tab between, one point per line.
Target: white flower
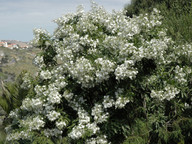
180	75
126	70
168	93
53	115
18	135
45	74
102	139
121	101
52	132
54	97
26	81
108	102
61	124
33	123
67	95
106	67
32	104
83	71
99	115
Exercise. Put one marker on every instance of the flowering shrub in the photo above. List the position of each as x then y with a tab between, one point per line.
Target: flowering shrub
102	77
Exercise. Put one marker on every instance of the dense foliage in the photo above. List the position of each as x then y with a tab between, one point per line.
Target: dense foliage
177	15
14	92
106	78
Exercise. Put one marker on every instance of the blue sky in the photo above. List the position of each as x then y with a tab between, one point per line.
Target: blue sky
18	18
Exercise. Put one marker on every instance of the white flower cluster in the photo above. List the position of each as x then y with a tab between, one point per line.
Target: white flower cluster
61	124
80	130
60	82
83	116
107	67
32	104
99	115
108	102
98	112
14	113
180	75
33	123
168	93
18	135
120	100
53	115
102	139
45	74
83	71
126	70
38	61
183	50
84	125
127	49
155	19
40	90
52	132
77	41
26	81
54	97
156	49
38	33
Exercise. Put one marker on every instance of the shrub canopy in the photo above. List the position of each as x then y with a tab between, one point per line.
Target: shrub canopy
177	15
106	78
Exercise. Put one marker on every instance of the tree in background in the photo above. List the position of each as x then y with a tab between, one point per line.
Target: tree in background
177	15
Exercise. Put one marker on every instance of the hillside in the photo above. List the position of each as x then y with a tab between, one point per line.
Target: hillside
14	61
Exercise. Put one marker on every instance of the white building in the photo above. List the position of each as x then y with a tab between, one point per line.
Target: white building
4	44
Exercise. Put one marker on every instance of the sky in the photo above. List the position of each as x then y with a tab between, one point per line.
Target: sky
18	18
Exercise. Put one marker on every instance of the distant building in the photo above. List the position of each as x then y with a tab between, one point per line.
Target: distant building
4	44
12	46
1	43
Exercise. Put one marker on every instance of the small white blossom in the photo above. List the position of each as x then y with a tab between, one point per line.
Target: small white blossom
121	101
61	124
53	115
168	93
108	102
26	81
54	97
98	140
126	70
99	115
52	132
180	75
32	104
34	123
45	75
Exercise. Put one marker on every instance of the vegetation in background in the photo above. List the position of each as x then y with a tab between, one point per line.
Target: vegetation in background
11	98
13	93
177	15
15	61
